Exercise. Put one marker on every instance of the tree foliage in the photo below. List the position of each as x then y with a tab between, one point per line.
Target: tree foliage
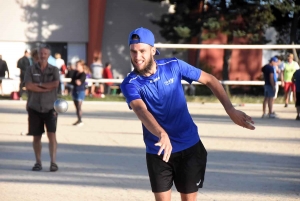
247	19
239	18
184	23
286	20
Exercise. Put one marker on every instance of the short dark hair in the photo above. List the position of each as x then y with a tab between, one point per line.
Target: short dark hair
107	64
44	46
279	57
80	62
34	52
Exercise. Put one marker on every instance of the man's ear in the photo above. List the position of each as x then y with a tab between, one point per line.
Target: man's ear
153	51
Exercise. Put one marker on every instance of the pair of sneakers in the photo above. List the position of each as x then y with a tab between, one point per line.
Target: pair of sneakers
272	115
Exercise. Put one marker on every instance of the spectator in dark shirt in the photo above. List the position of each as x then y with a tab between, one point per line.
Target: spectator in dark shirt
270	78
296	80
23	63
70	72
78	94
3	69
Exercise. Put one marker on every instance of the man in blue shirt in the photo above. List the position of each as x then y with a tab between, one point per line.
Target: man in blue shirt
154	91
270	78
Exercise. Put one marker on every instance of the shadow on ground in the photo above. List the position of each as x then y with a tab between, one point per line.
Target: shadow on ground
124	167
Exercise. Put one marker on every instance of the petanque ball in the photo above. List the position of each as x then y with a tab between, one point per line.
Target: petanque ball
60	106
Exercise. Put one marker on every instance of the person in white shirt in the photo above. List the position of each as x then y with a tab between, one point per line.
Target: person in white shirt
60	64
97	71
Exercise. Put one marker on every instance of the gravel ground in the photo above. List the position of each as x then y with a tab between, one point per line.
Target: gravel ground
105	158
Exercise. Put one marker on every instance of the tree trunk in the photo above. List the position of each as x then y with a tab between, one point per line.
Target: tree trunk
201	11
227	52
198	52
293	34
225	72
226	60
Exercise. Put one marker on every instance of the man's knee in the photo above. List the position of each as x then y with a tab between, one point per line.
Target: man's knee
51	136
37	139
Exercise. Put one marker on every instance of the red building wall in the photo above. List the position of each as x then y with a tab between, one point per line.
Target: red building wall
214	57
243	64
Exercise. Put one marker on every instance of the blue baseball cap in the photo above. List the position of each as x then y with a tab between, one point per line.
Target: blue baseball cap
145	35
274	59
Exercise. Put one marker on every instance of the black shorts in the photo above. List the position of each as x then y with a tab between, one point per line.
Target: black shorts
185	168
37	122
297	104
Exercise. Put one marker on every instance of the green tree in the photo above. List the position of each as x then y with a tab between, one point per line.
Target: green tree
239	18
286	21
184	23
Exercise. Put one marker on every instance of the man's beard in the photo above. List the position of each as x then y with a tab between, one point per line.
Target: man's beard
144	71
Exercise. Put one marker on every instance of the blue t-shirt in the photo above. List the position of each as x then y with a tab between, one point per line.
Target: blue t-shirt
267	70
297	80
164	97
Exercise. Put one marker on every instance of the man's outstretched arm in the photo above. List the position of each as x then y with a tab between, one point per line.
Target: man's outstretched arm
140	109
238	117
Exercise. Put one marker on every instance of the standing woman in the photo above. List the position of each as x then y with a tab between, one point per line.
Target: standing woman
78	94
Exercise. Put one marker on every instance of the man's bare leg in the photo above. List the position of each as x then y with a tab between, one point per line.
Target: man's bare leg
286	97
264	105
270	105
93	89
163	196
189	196
37	147
1	89
52	146
101	86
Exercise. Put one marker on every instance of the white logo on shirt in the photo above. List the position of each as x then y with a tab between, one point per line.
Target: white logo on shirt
170	81
198	183
155	80
132	79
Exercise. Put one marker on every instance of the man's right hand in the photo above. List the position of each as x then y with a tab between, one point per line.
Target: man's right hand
166	146
140	108
282	83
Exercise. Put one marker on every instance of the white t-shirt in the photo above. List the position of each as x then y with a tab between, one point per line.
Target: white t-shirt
60	63
97	70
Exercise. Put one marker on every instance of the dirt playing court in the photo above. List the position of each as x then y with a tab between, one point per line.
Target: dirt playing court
105	158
